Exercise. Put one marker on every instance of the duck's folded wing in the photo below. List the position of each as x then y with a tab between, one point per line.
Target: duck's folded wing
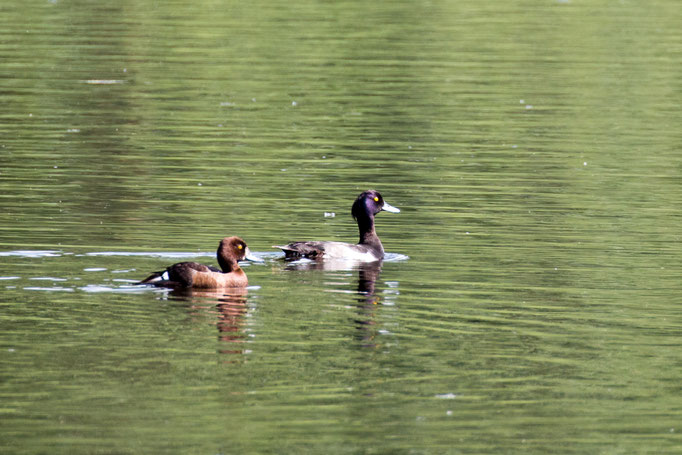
302	249
198	267
179	274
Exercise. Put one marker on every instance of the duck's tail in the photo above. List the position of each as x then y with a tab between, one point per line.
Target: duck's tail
156	278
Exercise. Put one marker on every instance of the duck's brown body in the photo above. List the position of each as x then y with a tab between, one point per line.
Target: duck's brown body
199	276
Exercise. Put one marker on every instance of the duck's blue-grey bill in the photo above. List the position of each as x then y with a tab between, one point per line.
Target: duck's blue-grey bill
389	208
250	257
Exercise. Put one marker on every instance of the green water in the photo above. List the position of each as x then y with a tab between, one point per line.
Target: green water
533	147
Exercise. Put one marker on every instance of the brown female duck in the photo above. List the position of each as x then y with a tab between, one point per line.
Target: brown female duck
198	276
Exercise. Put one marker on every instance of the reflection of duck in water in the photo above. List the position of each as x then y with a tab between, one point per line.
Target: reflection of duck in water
194	275
368	274
367	301
228	305
367	277
369	249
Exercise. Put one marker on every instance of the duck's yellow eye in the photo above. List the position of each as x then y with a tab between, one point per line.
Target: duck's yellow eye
376	199
240	247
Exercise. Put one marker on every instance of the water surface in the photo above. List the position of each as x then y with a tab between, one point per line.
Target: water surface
531	302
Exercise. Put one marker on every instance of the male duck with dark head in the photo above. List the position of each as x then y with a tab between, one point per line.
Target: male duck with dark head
185	275
370	249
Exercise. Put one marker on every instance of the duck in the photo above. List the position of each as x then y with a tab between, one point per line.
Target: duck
192	275
366	206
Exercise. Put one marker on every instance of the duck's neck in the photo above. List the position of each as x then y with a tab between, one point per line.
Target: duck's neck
368	235
228	264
